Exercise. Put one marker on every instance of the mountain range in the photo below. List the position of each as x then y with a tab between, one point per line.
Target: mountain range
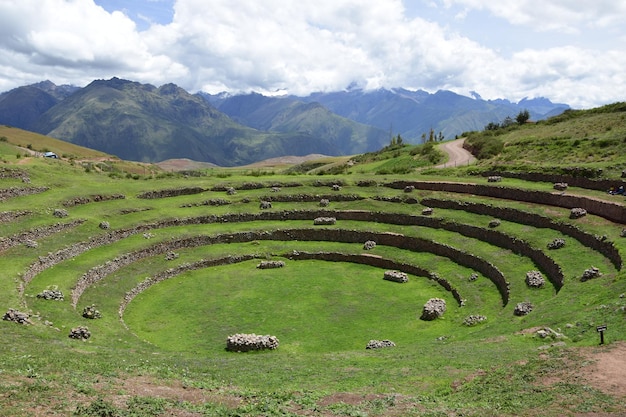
145	123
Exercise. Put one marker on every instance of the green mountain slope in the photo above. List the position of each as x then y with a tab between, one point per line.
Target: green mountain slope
144	123
287	114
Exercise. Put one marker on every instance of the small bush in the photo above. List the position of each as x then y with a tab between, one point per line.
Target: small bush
485	147
98	408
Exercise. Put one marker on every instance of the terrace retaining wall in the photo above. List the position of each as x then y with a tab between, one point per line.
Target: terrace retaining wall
610	211
605	247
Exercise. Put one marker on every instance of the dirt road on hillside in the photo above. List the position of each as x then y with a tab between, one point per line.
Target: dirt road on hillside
457	156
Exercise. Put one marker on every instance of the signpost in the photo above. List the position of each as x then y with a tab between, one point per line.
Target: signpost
601	330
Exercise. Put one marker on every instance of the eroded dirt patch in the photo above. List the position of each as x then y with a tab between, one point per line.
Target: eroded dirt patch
607	371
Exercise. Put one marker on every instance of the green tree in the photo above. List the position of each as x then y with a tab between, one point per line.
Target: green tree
522	117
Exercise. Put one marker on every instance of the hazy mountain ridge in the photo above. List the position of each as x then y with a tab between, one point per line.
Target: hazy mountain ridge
290	114
398	110
414	113
145	123
141	122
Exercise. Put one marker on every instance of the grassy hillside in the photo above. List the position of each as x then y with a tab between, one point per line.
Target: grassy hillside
578	138
170	260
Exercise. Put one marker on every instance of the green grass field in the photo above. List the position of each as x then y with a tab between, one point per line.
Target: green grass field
166	355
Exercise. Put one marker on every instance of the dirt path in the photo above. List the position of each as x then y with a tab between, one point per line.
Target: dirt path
457	155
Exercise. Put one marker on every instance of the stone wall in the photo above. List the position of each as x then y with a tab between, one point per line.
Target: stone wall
9	216
172	272
377	262
75	201
418	244
610	211
364	259
10	173
13	192
36	233
174	192
604	247
310	198
572	181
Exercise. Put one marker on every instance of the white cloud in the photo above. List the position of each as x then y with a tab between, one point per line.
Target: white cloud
300	47
571	16
75	40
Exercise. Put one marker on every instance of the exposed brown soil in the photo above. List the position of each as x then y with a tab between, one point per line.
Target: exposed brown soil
607	372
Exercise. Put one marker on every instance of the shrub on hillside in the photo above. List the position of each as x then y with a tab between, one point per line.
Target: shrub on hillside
484	147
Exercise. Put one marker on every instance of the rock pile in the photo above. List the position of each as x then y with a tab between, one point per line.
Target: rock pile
474	319
80	332
270	264
231	191
396	276
557	243
433	309
577	212
494	223
548	332
521	309
216	202
427	211
29	243
336	187
494	178
473	277
51	295
534	279
170	256
378	344
409	188
90	312
591	273
104	225
60	213
369	245
264	205
560	186
322	221
242	342
17	316
324	202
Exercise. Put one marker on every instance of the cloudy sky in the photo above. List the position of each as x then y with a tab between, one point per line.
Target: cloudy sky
570	51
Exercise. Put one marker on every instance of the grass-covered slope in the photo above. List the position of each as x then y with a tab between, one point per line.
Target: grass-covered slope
594	139
170	261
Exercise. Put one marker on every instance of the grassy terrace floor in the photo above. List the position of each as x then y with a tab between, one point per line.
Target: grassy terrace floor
168	357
